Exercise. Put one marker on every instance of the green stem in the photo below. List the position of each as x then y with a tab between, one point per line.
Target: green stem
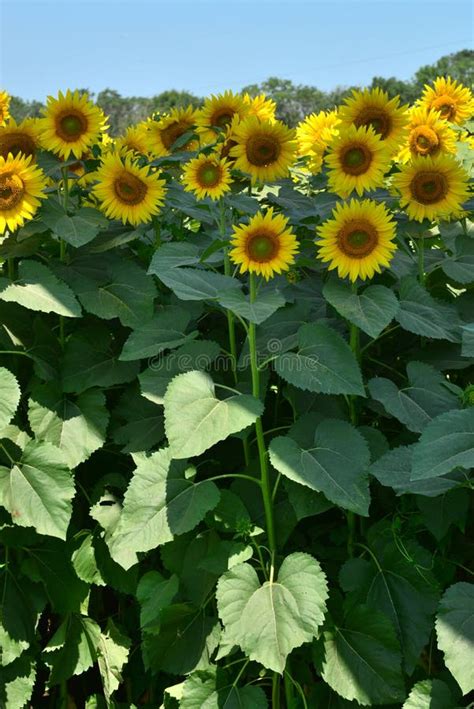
62	248
235	475
11	269
354	341
421	260
262	451
276	691
288	684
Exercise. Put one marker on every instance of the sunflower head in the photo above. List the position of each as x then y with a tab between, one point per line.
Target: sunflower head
135	139
164	131
22	187
453	101
372	107
428	134
72	124
218	113
265	246
358	240
431	188
4	107
207	176
127	191
358	159
313	136
16	138
260	106
263	149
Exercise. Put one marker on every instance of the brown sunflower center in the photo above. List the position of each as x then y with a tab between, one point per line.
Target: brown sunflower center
130	189
357	238
12	190
377	118
171	133
208	174
356	159
16	143
222	117
262	246
446	106
429	187
70	125
424	141
262	150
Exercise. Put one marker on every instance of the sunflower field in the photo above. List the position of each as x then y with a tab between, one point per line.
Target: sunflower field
237	405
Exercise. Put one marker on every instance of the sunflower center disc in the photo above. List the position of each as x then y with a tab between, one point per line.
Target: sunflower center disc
130	189
356	160
376	118
12	190
171	133
209	175
15	144
357	238
221	119
446	106
70	126
424	141
261	247
262	150
429	187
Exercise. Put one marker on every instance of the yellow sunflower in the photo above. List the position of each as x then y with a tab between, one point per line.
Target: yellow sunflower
217	113
261	106
22	187
431	188
163	132
265	245
451	99
313	136
207	176
126	191
358	240
71	124
16	138
357	160
135	139
263	149
373	107
4	107
428	134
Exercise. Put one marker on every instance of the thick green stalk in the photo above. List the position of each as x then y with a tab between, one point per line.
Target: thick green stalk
62	248
262	451
354	342
276	691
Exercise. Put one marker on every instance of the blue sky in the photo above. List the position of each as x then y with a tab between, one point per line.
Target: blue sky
142	47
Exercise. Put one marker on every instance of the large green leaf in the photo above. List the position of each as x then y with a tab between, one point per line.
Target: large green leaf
323	363
75	425
269	621
336	464
211	690
417	404
372	310
443	511
136	424
360	658
154	593
72	649
267	302
460	266
17	682
424	315
37	288
112	654
455	631
195	419
22	602
81	228
446	443
430	694
9	396
166	330
405	591
37	490
161	502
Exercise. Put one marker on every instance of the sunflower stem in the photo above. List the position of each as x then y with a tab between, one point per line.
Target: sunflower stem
62	247
354	341
11	268
421	260
276	691
262	451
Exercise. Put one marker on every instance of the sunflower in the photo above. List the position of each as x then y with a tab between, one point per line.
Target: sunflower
358	240
264	149
134	139
127	191
265	245
313	136
431	187
373	107
22	187
71	124
207	176
261	106
4	107
164	131
428	134
452	100
217	113
357	160
16	138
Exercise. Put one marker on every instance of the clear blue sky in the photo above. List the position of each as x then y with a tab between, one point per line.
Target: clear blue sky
142	47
